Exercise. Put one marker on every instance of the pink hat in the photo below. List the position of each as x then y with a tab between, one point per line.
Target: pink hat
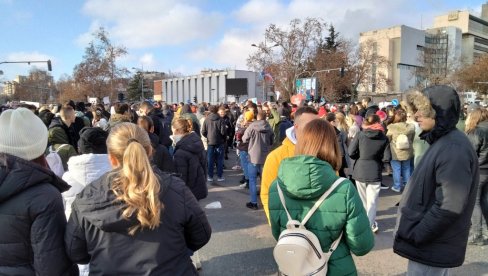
382	115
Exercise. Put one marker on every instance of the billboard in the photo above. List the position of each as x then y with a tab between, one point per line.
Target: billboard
236	87
306	87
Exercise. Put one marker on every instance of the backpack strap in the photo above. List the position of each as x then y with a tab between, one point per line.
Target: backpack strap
315	206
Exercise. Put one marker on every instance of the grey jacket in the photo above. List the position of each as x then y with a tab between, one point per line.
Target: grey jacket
260	137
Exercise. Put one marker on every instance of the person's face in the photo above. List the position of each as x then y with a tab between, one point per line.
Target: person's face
302	121
142	112
221	113
425	123
266	109
364	103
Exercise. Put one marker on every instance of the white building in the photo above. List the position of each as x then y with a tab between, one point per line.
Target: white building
211	86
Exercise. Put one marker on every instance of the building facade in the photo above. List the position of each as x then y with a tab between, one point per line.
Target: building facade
208	86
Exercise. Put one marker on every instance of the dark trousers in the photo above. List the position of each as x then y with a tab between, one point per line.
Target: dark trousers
480	211
215	153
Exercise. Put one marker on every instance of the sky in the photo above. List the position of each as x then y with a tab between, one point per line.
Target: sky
185	36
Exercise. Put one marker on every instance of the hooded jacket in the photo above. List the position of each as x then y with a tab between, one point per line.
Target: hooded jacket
116	119
191	163
32	219
161	157
98	233
83	170
260	137
369	149
303	180
161	128
214	130
59	133
273	161
479	140
434	215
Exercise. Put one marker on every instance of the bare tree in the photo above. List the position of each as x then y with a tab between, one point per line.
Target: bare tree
38	86
68	90
296	46
475	76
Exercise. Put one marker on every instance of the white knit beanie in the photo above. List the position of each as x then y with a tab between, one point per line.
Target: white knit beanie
22	134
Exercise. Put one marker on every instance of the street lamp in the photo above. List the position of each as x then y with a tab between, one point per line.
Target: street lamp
142	78
266	51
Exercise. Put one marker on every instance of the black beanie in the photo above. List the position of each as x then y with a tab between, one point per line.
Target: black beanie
93	140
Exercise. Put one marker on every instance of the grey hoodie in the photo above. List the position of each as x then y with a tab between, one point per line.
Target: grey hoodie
260	137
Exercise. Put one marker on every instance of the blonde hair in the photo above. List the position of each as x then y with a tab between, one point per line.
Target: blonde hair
474	118
341	122
182	125
135	183
318	138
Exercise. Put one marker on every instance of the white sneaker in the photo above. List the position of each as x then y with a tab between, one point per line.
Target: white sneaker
209	179
374	227
220	179
396	189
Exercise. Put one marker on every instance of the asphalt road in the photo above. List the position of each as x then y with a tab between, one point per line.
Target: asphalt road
242	243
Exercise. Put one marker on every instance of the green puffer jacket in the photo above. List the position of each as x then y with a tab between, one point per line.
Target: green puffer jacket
303	179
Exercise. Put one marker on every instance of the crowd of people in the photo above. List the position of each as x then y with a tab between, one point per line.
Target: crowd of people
83	187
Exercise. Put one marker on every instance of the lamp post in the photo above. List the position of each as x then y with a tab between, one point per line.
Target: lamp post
142	79
266	51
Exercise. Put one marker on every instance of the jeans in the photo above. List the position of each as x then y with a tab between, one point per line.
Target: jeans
215	152
244	157
253	170
401	169
480	211
369	192
416	269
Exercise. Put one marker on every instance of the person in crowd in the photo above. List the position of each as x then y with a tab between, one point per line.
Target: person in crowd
31	206
78	123
285	123
477	131
80	112
135	214
187	114
161	128
369	106
341	140
229	130
61	136
99	121
401	152
161	157
121	115
369	149
354	121
302	115
434	215
274	121
105	113
200	113
214	130
244	147
305	178
189	157
260	137
46	115
86	168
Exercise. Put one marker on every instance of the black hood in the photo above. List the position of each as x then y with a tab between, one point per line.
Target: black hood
97	203
17	175
373	134
191	143
214	116
155	112
445	101
57	122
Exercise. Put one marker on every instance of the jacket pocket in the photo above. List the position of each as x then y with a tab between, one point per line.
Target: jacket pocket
408	221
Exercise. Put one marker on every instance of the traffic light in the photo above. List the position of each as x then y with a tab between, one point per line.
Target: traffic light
195	99
342	72
49	66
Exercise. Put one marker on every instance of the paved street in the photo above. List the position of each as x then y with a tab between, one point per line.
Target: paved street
242	243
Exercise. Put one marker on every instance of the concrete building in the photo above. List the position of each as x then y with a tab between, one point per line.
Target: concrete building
208	86
401	46
474	31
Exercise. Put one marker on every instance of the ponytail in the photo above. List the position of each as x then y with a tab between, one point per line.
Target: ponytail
135	183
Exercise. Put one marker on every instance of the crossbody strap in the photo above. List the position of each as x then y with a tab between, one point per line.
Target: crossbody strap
315	206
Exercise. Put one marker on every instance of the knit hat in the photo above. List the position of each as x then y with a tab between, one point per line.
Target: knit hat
93	140
249	116
23	134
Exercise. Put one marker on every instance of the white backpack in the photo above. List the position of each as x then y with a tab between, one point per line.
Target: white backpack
298	251
402	142
54	161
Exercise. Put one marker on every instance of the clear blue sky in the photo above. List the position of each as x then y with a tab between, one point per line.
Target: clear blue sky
184	35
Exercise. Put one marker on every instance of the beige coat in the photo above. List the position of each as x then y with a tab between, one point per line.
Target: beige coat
393	131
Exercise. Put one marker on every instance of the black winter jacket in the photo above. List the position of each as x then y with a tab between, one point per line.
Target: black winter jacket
214	130
433	219
32	220
161	157
70	131
369	149
161	128
97	232
479	140
191	163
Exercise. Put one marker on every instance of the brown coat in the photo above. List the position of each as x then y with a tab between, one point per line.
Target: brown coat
394	130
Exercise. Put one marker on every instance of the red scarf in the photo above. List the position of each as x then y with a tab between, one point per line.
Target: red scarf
376	126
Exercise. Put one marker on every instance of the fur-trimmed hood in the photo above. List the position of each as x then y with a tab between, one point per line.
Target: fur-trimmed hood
440	102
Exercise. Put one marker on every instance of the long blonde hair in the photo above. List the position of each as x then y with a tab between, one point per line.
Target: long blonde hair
135	183
474	118
341	123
